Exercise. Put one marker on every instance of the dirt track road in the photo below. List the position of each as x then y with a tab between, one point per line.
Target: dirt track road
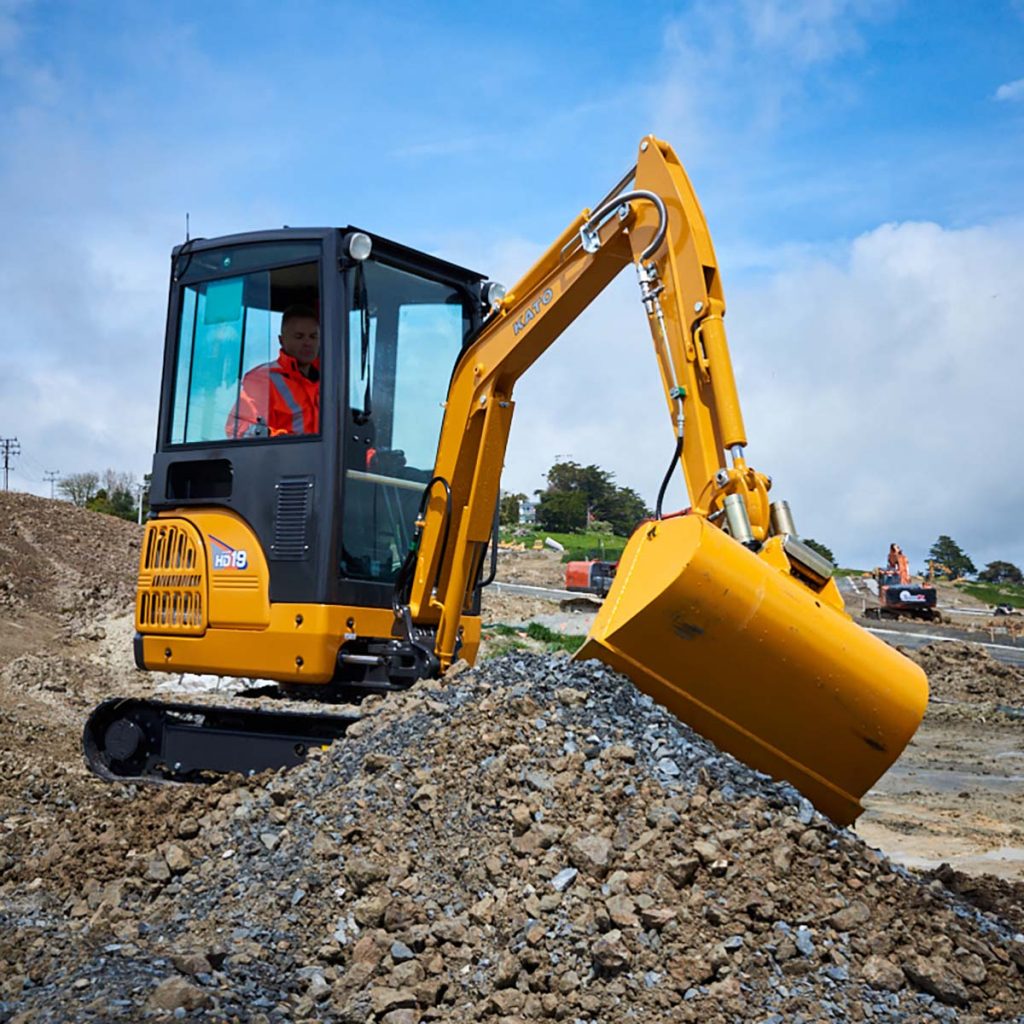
955	796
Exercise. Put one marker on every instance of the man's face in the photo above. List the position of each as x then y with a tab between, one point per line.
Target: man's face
300	338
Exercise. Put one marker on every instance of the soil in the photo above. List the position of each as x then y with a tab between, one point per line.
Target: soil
400	879
533	568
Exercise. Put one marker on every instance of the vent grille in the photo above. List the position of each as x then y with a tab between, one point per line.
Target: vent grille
291	519
172	581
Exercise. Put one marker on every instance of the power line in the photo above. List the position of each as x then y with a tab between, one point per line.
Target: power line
52	476
10	448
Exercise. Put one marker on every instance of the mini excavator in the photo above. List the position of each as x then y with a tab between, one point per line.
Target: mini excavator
352	560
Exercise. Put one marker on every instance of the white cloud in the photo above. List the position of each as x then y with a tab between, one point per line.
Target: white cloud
809	32
878	376
1011	91
742	66
903	365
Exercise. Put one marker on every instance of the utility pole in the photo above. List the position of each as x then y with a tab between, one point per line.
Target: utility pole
51	476
140	492
10	447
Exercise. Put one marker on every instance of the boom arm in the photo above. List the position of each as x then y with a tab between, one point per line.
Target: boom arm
659	227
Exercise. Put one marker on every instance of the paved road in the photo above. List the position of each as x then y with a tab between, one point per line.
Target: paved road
522	590
904	634
1007	653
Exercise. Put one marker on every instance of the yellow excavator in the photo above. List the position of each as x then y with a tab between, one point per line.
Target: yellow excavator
347	554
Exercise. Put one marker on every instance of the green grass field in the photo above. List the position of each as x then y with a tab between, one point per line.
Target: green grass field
578	546
504	638
995	593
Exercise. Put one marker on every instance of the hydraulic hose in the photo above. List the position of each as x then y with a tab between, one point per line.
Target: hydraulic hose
403	578
624	198
668	476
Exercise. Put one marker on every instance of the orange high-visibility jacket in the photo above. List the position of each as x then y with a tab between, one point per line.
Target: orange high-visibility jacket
277	398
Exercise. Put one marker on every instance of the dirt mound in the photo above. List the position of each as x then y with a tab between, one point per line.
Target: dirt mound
60	564
530	840
967	672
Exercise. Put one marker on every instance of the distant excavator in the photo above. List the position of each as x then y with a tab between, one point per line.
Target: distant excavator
593	576
898	595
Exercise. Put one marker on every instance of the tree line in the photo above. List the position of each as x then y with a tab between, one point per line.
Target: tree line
949	561
112	493
579	498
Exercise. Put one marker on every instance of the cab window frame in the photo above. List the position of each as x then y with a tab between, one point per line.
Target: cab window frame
316	250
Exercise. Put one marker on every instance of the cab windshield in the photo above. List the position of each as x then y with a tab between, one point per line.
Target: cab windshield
405	334
238	307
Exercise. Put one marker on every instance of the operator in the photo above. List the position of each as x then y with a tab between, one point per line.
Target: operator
283	397
898	563
893	563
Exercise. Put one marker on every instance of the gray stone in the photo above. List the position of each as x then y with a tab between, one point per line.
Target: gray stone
400	952
318	989
564	879
507	1000
157	870
402	1016
970	967
622	911
385	999
609	952
188	828
931	975
850	917
192	963
362	872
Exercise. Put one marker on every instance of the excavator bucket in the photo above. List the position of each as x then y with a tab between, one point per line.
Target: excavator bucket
757	662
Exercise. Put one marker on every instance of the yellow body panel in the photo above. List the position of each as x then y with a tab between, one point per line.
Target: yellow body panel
171	592
238	572
202	606
734	646
275	652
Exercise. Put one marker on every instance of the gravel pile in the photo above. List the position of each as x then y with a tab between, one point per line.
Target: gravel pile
532	840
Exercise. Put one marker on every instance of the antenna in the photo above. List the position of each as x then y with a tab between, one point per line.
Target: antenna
186	226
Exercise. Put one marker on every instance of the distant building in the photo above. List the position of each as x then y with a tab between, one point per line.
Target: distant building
527	512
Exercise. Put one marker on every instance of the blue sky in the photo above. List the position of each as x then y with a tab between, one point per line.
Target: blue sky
860	165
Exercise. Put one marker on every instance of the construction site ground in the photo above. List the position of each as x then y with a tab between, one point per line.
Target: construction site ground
957	793
71	846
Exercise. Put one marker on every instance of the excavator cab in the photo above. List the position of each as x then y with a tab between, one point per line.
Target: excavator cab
293	528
